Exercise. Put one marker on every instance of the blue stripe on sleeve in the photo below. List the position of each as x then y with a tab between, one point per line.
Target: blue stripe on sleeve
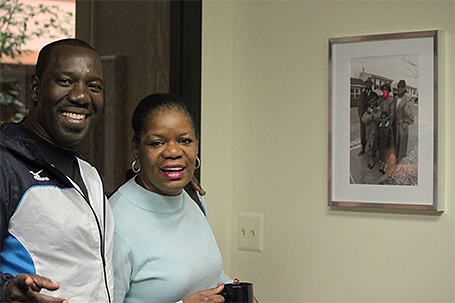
14	258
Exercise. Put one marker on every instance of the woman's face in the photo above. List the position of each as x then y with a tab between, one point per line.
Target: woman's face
167	152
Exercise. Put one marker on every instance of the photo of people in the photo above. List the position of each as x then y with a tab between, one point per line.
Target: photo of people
384	105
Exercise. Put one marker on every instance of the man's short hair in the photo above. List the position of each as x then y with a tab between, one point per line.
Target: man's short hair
402	83
46	52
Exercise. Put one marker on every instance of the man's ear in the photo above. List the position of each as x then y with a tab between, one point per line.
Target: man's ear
34	87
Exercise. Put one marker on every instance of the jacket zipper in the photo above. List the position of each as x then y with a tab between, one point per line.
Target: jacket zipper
102	248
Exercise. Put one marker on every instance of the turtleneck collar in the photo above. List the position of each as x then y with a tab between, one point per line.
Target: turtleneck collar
154	202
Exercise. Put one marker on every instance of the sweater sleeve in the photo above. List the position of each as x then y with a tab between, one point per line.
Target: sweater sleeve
224	278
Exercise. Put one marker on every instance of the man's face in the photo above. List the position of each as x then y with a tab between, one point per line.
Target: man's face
401	91
69	96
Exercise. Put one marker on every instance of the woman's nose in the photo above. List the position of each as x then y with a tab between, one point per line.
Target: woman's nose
173	150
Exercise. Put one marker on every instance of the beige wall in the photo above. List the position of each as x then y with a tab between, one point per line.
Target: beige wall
265	133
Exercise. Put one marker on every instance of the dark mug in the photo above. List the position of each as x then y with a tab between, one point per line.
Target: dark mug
238	292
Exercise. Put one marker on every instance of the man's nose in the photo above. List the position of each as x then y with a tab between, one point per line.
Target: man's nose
79	94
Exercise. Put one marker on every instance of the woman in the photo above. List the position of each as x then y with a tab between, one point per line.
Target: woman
164	247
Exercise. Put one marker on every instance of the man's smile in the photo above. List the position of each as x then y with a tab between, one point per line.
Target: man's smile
74	116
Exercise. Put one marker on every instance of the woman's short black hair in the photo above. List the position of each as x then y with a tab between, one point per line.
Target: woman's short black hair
151	105
46	52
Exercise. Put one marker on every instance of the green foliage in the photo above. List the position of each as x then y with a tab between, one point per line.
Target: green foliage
15	18
12	110
15	31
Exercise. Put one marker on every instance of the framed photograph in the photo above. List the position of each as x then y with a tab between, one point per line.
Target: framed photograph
383	125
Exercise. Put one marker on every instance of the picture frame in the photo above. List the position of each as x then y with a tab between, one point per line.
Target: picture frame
383	148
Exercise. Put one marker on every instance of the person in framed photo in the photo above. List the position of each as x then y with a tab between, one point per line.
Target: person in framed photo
387	102
362	106
371	119
404	118
385	140
385	137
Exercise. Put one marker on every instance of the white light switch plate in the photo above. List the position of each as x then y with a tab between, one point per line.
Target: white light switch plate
250	232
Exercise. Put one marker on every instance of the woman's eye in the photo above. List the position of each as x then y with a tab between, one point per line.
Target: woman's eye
186	141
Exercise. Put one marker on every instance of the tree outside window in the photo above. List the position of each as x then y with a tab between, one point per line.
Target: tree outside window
22	21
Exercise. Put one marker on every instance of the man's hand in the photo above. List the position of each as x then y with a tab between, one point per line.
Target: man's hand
197	186
26	288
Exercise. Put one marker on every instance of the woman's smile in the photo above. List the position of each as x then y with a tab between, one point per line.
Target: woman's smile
173	171
167	152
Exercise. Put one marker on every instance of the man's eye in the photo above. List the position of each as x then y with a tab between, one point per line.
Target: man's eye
65	82
95	87
156	143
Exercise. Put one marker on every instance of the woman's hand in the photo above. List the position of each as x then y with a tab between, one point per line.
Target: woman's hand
208	295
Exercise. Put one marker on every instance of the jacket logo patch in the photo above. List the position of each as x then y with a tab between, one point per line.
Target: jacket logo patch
36	176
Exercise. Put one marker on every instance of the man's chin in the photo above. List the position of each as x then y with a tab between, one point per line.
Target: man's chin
70	140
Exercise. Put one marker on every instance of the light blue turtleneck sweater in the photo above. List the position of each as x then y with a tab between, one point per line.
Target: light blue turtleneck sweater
164	248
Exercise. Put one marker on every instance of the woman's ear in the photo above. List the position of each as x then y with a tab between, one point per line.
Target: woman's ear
134	149
34	87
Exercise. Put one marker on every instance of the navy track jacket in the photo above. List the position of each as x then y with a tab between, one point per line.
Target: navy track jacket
48	227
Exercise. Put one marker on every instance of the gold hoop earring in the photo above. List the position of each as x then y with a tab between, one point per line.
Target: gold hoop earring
135	169
197	164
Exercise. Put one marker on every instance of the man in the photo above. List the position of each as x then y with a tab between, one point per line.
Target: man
364	100
403	118
56	222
